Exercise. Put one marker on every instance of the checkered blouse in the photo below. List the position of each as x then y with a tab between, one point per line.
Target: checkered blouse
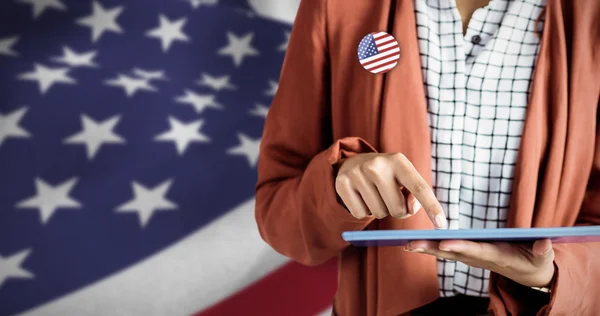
477	88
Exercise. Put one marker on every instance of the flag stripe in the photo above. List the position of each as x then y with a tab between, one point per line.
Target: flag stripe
273	295
385	67
379	34
379	56
381	62
190	275
384	41
386	46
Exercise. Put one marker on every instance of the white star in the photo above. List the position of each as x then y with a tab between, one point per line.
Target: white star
284	45
10	267
199	101
197	3
149	74
74	59
248	147
95	134
147	201
50	198
260	110
248	13
47	77
102	20
130	84
239	47
273	86
183	134
6	45
9	125
168	32
217	83
39	6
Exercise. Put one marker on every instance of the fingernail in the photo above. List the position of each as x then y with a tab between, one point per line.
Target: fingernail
440	220
416	206
417	250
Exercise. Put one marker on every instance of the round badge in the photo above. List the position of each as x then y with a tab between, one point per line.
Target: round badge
378	52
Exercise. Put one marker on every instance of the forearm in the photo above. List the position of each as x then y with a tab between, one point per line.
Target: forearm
297	211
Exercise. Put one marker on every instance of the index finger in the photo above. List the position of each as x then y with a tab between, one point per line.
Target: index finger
410	178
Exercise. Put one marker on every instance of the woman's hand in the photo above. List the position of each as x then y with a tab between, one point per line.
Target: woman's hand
371	185
530	265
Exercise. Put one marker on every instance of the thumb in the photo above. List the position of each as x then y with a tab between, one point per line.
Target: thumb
542	248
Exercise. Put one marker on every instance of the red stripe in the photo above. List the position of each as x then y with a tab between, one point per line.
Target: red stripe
383	57
378	36
389	40
379	59
375	70
292	290
384	64
387	48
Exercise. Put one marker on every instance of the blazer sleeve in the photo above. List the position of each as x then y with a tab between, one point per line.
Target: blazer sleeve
575	289
297	208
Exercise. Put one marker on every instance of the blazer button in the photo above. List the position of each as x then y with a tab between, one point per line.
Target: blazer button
476	39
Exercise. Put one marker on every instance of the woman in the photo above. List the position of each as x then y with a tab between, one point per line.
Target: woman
488	120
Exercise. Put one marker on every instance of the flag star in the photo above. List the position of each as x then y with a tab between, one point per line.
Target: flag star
273	86
217	83
10	267
150	75
199	101
50	198
248	13
147	201
169	31
183	134
74	59
248	147
130	84
260	110
95	134
284	45
197	3
47	77
6	45
239	47
102	20
39	6
9	125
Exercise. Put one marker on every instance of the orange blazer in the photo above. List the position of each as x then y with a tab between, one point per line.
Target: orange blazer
327	107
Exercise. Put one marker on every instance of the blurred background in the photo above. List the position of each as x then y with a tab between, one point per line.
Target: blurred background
129	135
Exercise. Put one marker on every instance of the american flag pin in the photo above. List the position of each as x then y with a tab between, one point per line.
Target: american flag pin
378	52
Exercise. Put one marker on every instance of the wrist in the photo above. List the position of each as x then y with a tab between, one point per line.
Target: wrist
336	168
547	286
338	164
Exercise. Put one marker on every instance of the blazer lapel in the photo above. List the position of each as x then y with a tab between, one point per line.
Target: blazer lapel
404	128
557	144
404	123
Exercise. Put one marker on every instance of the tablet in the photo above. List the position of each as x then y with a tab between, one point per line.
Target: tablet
577	234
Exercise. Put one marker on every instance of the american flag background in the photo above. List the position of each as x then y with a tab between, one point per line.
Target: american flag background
129	134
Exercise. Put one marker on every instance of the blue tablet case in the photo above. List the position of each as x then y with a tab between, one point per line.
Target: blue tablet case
577	234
